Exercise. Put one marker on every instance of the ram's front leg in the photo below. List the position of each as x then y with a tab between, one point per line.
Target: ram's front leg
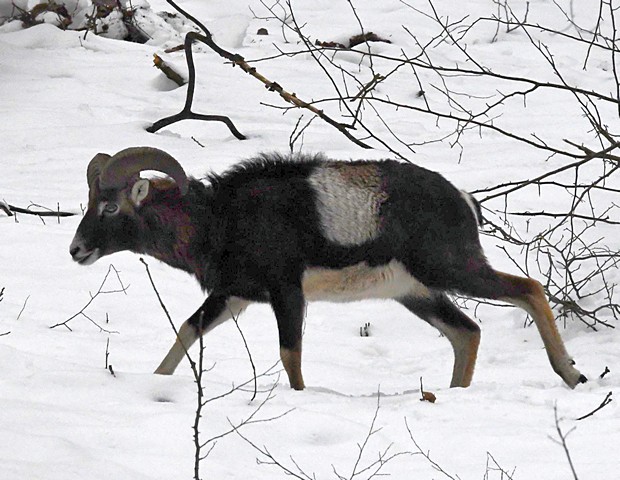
288	304
215	310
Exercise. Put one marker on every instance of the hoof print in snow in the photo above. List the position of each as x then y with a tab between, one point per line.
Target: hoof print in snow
162	399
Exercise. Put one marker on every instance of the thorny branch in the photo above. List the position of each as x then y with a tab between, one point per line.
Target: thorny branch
197	370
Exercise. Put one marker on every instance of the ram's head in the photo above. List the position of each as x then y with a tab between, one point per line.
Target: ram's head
116	195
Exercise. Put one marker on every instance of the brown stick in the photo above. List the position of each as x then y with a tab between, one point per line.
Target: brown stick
168	71
186	113
238	60
10	209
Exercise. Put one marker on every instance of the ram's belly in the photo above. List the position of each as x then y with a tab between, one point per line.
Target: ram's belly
359	282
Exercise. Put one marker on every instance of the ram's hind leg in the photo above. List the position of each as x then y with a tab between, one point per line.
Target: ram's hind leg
215	310
462	332
529	295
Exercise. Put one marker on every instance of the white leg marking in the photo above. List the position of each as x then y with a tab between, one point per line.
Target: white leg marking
187	336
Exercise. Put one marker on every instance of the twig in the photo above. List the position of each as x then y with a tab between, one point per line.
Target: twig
100	291
108	366
427	456
172	325
2	298
495	467
298	133
606	401
250	420
107	352
562	441
23	308
372	469
247	349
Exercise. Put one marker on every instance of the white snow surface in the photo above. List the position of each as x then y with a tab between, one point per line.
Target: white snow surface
64	98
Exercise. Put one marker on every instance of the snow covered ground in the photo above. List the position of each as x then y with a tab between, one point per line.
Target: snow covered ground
64	98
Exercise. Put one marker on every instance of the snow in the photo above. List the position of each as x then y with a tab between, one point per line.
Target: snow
64	416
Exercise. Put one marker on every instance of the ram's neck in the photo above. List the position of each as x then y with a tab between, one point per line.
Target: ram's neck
175	227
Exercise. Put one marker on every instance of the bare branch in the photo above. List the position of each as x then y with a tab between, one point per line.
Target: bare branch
562	440
237	60
606	401
100	291
46	212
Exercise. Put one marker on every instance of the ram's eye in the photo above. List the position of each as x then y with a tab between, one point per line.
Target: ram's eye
110	208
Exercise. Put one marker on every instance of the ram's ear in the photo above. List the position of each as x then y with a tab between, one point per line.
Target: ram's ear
140	191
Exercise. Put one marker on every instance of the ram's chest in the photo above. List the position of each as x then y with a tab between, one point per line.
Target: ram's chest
361	281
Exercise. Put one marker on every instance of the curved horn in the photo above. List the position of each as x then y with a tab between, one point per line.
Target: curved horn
95	167
131	161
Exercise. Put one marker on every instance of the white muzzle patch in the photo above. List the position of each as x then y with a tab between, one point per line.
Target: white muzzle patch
81	255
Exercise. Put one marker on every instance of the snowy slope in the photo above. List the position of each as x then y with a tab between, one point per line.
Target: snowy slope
64	98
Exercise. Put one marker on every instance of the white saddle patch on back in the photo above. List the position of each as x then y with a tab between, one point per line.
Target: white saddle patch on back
360	281
349	197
